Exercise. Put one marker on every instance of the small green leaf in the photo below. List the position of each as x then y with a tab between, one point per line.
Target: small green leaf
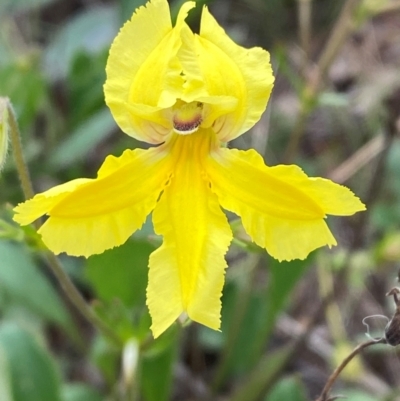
33	374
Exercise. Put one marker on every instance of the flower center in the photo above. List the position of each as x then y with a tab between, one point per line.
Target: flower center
188	117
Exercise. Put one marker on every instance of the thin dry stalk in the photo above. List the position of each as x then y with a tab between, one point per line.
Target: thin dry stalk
333	377
305	29
343	27
358	160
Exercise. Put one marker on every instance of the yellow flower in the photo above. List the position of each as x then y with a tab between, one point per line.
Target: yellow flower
188	94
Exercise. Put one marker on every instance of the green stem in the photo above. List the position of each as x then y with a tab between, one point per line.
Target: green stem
15	137
53	262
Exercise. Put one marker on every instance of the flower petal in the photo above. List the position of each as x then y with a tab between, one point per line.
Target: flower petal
231	70
187	271
87	217
282	209
27	212
143	71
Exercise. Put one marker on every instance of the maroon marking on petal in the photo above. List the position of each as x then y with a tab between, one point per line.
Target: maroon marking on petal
187	127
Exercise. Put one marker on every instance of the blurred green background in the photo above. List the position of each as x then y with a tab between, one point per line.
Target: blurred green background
334	111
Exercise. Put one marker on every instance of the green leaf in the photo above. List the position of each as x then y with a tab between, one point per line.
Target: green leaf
156	378
289	388
90	31
85	86
121	272
33	374
264	306
79	392
242	350
5	378
262	377
284	277
84	139
22	283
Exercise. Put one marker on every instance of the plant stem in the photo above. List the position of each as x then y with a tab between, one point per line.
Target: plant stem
359	159
379	174
15	137
304	18
343	26
53	262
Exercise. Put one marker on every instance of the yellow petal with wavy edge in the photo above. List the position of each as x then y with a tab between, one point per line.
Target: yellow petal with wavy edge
230	70
281	208
143	71
39	205
334	199
187	271
87	217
